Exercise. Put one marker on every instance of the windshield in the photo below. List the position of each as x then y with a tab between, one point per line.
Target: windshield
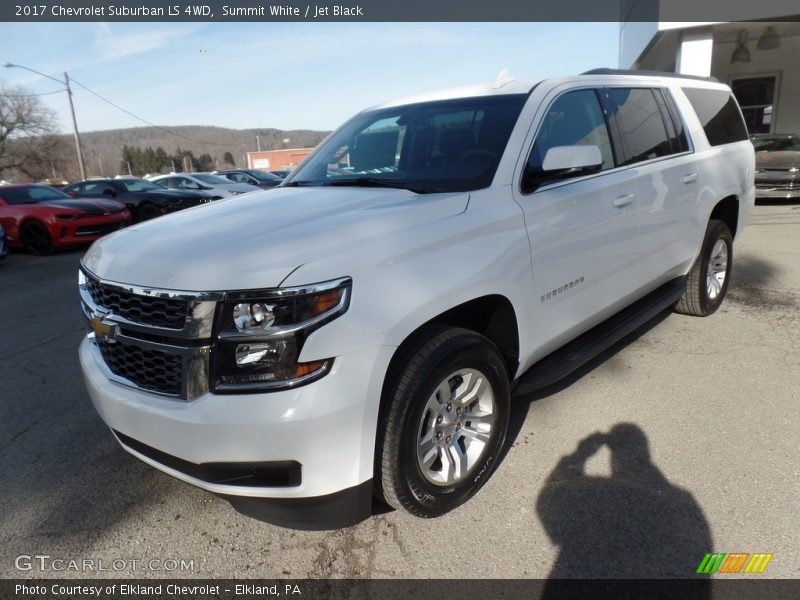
441	146
211	179
776	144
32	195
139	185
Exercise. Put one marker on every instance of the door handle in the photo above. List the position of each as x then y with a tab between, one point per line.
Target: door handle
690	178
623	201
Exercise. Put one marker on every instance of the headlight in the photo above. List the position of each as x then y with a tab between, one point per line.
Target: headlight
260	336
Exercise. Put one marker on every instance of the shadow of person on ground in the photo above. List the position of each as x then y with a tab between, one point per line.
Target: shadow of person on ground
633	524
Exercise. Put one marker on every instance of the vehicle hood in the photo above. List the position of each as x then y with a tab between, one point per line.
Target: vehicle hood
784	159
256	240
89	206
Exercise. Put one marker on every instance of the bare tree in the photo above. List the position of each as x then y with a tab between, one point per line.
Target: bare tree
27	134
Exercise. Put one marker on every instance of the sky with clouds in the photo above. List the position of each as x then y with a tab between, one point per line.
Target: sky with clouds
305	75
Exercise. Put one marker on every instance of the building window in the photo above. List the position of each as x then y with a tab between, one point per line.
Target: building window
756	97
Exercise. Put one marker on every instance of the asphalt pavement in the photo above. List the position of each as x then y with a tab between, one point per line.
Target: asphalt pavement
681	440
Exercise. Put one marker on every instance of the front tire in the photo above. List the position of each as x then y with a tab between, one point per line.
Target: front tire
36	238
443	421
707	282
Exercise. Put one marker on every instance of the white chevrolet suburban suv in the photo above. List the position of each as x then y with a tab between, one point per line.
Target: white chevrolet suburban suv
362	329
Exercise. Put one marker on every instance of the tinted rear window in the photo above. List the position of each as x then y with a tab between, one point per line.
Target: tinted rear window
719	114
641	124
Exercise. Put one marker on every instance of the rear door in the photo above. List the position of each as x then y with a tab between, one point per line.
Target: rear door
583	229
655	148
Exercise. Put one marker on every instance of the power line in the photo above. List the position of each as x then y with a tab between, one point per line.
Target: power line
138	118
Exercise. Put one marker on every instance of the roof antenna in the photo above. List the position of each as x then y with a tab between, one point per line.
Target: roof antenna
503	79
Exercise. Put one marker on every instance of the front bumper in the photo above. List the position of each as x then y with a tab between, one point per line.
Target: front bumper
88	229
328	427
777	193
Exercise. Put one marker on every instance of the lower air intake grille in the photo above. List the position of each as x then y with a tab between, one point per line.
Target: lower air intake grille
285	473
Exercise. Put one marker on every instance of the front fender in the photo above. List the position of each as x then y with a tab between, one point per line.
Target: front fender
403	281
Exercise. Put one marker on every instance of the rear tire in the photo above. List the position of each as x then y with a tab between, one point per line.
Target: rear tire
443	421
707	282
36	238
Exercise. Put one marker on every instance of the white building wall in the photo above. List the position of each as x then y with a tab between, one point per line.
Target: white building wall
783	62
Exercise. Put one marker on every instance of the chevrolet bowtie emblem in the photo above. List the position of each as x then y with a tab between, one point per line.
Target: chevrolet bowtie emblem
102	329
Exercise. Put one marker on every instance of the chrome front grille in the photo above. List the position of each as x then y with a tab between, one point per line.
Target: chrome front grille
148	310
151	339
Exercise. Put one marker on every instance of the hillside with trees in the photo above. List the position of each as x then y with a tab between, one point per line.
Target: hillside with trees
31	149
153	150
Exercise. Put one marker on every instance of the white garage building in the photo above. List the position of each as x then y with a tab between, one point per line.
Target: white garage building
759	60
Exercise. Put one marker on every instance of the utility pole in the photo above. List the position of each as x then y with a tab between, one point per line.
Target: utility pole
75	128
71	110
258	144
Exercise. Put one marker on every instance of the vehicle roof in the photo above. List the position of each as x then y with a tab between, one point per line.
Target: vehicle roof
525	86
469	91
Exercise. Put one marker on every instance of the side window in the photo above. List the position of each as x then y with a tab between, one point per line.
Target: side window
640	124
95	188
240	178
719	114
674	122
574	119
188	184
169	183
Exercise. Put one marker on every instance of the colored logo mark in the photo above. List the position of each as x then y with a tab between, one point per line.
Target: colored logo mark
734	562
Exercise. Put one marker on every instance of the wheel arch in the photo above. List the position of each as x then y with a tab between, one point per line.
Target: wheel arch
727	211
492	316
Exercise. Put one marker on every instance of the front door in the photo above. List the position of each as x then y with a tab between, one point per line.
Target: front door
583	230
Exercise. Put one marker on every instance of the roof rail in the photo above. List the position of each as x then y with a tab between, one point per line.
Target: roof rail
649	73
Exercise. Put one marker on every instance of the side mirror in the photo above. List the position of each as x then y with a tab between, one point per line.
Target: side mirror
573	159
72	194
109	192
561	162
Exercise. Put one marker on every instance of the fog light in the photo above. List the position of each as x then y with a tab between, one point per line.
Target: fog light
259	354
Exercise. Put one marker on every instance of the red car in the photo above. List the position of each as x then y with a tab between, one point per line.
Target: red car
40	218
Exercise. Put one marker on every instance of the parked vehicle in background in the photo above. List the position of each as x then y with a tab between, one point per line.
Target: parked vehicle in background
777	165
361	332
145	199
283	173
255	177
3	243
203	182
40	218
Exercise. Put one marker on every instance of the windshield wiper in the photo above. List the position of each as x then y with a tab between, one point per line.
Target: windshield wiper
378	182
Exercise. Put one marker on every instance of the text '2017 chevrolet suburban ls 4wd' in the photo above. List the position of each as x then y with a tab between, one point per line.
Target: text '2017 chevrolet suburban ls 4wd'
360	329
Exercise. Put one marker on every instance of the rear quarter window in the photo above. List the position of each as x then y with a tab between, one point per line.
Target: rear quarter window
719	115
